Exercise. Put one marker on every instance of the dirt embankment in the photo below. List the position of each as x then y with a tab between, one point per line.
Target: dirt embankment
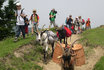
92	56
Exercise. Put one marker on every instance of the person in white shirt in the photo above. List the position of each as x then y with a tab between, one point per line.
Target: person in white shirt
20	25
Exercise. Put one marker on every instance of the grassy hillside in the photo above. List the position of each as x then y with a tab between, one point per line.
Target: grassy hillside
93	37
7	46
27	62
100	64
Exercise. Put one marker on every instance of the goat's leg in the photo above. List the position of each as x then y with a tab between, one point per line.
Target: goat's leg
45	52
60	40
52	49
64	40
44	55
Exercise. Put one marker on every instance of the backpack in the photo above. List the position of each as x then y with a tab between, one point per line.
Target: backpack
21	13
36	16
83	21
69	21
68	32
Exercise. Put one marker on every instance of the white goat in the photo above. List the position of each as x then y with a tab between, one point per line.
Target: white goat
45	38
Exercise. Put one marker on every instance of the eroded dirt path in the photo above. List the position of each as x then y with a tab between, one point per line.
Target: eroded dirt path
91	59
93	56
53	66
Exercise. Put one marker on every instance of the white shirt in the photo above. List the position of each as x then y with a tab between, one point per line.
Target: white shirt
20	20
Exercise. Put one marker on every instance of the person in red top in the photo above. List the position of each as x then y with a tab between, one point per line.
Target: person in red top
34	21
88	26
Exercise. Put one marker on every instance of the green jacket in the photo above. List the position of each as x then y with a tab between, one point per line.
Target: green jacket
53	14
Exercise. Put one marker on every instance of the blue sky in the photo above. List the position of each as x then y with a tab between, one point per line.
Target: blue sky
92	9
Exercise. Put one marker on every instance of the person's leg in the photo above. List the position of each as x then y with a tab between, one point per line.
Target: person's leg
26	30
23	30
36	27
32	28
69	26
54	24
17	31
50	24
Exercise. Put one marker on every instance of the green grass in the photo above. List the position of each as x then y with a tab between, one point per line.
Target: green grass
53	29
100	64
93	37
27	62
7	46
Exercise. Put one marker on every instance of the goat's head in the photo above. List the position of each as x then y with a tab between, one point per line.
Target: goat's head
39	34
66	56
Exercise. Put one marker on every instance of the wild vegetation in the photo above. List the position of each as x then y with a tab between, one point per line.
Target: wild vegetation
7	18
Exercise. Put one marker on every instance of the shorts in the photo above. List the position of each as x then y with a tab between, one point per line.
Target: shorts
33	24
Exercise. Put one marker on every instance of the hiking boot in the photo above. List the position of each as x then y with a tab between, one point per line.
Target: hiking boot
16	39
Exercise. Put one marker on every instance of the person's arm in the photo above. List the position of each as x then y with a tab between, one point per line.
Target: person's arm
30	19
38	20
16	14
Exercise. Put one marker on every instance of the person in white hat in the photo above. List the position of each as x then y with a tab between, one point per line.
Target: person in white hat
20	24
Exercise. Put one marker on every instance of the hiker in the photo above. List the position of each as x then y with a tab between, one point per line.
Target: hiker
20	25
88	26
66	22
34	21
26	26
83	23
72	28
77	26
70	21
52	17
80	23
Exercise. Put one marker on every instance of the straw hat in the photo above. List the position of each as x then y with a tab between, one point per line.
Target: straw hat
34	10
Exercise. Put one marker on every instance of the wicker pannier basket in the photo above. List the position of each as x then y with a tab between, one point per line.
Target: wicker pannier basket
57	52
80	56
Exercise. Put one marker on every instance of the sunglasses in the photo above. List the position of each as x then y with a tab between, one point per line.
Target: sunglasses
18	6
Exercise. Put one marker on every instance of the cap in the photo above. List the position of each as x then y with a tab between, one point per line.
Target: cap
76	17
88	19
18	4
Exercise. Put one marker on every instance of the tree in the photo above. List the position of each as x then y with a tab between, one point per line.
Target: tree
7	18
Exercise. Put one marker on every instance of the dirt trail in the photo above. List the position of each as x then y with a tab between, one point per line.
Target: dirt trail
53	66
91	59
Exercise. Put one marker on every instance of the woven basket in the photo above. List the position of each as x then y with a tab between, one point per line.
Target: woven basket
58	52
80	56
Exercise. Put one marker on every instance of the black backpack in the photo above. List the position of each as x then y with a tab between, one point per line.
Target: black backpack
69	21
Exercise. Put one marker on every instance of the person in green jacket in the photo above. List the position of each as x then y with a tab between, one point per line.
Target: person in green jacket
52	17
